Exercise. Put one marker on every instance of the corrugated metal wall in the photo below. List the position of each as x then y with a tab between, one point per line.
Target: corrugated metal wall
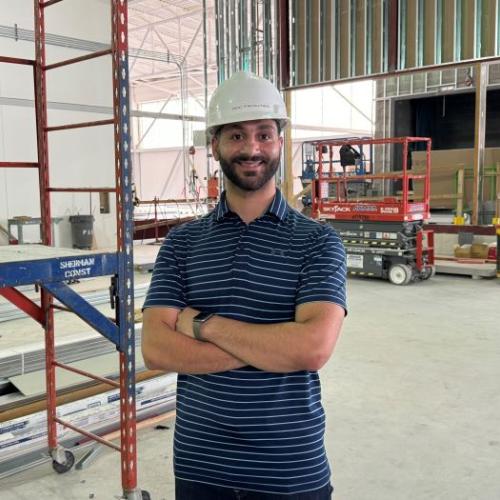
332	40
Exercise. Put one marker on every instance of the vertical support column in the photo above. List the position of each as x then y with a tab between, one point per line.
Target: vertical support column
459	216
45	215
432	32
345	33
361	38
300	45
268	42
377	29
124	221
481	81
498	253
450	48
405	186
392	36
233	37
288	156
283	47
489	28
411	33
427	188
205	82
41	122
328	37
219	43
314	40
244	43
469	30
496	220
254	38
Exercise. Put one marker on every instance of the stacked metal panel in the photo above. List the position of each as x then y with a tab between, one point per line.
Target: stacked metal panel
23	441
9	312
21	362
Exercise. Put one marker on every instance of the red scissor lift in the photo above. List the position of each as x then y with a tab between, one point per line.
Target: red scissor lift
50	273
379	213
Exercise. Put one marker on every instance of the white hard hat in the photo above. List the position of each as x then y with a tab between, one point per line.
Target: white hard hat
243	97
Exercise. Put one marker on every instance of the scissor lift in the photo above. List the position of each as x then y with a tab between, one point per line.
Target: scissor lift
50	268
377	213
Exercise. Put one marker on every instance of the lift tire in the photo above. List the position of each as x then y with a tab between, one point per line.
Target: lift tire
145	495
66	466
400	274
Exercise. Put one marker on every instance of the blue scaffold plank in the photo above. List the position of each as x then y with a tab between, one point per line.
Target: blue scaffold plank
41	271
84	310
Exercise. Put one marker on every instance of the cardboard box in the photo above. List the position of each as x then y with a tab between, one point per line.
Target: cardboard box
479	251
462	251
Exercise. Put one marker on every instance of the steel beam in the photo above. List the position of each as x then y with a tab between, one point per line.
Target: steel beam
481	72
24	304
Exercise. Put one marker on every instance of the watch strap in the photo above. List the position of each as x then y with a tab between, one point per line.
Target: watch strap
197	329
198	320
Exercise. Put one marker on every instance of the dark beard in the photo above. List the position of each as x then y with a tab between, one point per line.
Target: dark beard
249	182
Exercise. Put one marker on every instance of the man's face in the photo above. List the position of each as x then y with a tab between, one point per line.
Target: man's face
248	152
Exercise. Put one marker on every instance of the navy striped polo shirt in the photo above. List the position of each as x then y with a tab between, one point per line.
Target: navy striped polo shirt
246	428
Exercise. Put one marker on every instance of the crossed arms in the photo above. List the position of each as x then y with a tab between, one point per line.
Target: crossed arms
304	344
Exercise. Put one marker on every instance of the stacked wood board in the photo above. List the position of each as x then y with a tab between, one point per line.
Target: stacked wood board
445	165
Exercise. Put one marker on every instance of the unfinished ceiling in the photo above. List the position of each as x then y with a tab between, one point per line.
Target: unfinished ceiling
169	37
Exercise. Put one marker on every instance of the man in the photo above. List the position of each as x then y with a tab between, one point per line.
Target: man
246	304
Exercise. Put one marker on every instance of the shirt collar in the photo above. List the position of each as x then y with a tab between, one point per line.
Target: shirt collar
278	207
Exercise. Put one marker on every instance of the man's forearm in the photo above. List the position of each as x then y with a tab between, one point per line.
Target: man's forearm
168	350
278	347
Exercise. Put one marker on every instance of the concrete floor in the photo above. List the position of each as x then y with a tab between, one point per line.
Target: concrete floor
412	398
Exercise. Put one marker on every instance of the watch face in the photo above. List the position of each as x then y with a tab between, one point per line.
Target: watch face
203	316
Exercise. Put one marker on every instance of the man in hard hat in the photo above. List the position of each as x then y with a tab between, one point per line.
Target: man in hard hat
246	304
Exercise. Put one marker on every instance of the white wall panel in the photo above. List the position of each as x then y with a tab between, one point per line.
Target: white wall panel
78	158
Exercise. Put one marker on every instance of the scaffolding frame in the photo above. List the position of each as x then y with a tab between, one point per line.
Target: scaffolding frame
50	274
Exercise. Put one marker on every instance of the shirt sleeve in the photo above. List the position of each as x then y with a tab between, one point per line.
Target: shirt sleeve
167	286
323	276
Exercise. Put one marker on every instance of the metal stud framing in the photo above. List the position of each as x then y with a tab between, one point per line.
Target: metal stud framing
361	38
247	34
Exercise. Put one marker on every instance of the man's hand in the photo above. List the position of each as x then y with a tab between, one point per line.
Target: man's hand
304	344
165	348
185	321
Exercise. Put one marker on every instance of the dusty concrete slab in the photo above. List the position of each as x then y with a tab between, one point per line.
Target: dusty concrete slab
411	396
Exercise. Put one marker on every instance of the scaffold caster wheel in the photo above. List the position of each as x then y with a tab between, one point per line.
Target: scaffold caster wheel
429	272
400	274
145	495
66	466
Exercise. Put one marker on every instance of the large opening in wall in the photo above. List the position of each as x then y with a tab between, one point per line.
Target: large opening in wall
447	119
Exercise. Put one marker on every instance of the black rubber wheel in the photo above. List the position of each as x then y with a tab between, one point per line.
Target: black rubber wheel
429	272
66	466
145	495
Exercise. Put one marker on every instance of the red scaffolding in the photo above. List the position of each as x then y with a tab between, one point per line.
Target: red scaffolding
50	273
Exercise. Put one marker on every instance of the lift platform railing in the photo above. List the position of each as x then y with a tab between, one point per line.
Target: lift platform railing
51	274
334	196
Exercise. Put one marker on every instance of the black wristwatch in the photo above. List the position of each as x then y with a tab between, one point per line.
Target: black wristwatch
198	320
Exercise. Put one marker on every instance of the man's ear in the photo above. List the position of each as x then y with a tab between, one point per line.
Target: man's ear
215	144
